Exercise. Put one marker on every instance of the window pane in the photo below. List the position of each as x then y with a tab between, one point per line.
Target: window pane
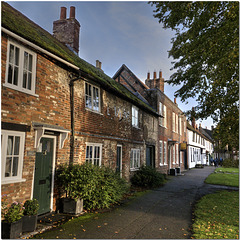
25	61
17	144
10	145
16	56
30	62
29	81
10	73
15	166
11	54
24	79
15	79
8	167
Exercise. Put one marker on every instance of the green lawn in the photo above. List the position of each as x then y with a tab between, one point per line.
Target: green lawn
224	176
227	170
217	216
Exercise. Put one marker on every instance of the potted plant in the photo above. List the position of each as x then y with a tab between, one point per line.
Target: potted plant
30	212
67	183
12	221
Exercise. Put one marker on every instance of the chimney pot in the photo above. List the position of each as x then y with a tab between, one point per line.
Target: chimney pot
175	100
63	13
154	75
160	74
148	75
72	12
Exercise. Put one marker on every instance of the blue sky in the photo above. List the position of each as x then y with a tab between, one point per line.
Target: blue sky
115	33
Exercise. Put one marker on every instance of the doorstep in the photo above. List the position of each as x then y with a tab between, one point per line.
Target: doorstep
48	221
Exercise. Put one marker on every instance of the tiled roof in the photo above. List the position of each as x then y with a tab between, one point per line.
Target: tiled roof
19	24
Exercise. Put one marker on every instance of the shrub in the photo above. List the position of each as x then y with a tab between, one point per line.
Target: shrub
147	177
228	163
99	187
31	207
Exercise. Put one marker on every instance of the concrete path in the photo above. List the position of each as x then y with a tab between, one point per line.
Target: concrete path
165	213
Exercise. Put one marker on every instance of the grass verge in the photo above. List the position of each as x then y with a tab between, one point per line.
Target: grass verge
227	170
216	216
224	176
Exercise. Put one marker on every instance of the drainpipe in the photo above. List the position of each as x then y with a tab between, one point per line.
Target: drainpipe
72	142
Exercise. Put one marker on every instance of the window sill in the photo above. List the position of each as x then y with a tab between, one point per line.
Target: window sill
93	111
19	89
134	169
4	182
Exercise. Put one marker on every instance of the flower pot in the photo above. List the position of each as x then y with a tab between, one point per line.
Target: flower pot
12	230
71	206
29	223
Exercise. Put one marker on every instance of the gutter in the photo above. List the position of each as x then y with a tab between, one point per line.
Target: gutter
72	139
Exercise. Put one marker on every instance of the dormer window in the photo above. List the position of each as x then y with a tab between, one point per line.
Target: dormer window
20	69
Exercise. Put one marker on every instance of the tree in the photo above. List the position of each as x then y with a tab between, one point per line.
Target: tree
205	50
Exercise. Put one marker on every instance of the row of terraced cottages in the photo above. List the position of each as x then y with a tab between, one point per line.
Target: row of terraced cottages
57	108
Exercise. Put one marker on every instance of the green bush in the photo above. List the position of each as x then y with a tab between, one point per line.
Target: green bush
147	177
31	207
99	187
228	163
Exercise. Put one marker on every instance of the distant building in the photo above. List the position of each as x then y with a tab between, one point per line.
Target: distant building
170	152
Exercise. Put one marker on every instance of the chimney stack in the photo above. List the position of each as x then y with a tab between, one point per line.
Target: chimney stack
155	82
67	30
99	65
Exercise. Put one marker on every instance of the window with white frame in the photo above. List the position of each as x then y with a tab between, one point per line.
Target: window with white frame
135	113
177	158
180	126
161	113
21	68
161	152
12	155
173	122
160	108
176	123
165	152
184	126
135	159
174	154
94	153
181	157
92	97
165	116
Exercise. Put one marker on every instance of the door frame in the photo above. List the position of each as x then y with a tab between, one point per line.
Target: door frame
53	169
119	145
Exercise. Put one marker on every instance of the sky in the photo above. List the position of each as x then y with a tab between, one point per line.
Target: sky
115	33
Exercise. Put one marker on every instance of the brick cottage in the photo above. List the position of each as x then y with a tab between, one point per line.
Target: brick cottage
57	108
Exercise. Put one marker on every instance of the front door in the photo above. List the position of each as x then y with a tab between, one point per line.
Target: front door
43	175
150	156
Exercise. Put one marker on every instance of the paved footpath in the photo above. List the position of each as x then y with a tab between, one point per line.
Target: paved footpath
164	213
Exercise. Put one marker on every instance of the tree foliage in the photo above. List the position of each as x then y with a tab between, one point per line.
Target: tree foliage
205	50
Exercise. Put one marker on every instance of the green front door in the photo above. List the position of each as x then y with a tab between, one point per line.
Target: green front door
43	175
